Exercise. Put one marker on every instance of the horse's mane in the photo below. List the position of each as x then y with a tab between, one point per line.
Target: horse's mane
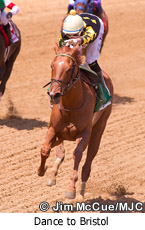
73	52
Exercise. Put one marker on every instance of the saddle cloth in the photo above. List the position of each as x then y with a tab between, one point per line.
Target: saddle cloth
13	33
93	78
14	37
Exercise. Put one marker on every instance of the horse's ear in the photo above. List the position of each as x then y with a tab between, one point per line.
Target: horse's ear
56	47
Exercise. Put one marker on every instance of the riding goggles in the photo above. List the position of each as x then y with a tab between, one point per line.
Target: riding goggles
74	35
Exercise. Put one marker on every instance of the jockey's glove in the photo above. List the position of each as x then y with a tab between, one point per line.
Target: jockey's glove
71	42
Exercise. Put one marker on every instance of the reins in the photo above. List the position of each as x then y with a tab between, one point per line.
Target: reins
67	55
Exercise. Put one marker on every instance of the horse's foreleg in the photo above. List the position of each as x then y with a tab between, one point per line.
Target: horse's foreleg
2	85
45	150
82	143
6	77
93	146
60	154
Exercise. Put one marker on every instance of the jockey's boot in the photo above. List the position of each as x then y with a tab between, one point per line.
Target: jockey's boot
8	32
102	90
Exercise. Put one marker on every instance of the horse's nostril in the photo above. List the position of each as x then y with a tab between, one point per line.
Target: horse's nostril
54	99
57	96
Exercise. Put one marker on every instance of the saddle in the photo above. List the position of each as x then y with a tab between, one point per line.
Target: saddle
90	74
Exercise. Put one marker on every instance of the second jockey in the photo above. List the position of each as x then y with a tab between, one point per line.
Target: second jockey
88	6
4	18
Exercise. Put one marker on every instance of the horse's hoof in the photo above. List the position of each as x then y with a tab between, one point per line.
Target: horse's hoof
70	194
42	172
80	198
51	182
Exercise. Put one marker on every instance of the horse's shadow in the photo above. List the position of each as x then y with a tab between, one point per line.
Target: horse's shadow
15	121
22	123
121	204
122	100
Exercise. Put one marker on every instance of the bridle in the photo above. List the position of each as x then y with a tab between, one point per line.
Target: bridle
70	82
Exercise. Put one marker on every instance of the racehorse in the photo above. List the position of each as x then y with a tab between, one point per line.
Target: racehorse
72	117
82	8
8	57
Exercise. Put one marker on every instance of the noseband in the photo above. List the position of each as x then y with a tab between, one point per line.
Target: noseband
71	81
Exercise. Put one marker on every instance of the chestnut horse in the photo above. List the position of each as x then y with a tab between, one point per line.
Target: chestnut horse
72	117
6	62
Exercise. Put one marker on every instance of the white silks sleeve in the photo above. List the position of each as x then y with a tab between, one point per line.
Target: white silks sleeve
15	10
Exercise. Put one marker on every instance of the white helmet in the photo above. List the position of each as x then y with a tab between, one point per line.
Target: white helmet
73	23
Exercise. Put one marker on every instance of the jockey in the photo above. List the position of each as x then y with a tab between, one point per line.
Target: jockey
86	30
91	7
4	17
88	6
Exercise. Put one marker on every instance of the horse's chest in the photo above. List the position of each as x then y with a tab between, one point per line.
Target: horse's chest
70	131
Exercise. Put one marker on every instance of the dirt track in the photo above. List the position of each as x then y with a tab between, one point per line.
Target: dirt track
118	172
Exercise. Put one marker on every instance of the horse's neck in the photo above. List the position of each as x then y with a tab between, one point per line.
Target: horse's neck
74	97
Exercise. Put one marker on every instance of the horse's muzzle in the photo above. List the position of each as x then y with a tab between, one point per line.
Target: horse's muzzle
55	99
